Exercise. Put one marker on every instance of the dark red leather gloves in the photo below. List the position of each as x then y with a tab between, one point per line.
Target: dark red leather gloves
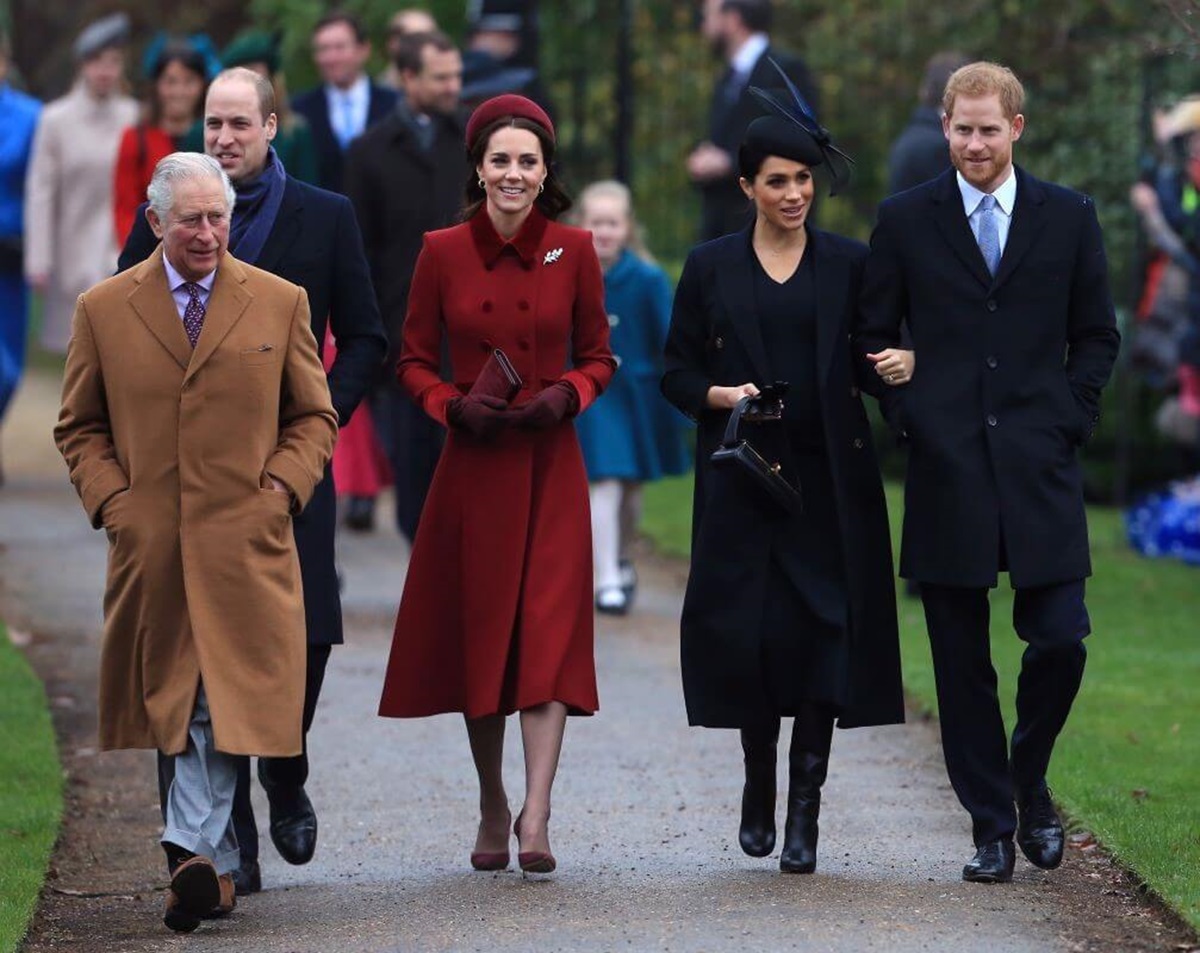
482	417
548	408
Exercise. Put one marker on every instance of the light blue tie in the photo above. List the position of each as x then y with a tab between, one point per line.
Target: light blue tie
989	235
345	130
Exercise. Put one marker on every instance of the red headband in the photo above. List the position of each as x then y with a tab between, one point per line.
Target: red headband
501	107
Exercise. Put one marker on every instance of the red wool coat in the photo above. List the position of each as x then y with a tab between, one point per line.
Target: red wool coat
496	614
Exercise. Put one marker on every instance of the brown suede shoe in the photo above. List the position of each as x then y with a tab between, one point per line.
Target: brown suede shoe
228	899
195	890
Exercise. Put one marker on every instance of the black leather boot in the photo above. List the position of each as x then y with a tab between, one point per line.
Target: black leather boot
757	832
808	763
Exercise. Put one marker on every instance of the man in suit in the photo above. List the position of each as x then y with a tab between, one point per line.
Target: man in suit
920	152
310	237
346	103
196	422
738	32
406	21
405	177
1002	281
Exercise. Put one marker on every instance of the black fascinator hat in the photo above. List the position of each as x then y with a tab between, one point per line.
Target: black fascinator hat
791	130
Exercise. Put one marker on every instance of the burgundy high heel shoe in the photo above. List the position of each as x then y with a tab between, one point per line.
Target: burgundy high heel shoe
533	861
490	859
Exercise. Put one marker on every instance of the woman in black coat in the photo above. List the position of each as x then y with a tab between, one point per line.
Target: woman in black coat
784	615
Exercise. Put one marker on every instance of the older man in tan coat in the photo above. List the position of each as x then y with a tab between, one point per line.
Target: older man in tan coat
196	420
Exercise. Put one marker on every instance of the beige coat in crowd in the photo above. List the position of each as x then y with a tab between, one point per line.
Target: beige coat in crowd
68	202
170	450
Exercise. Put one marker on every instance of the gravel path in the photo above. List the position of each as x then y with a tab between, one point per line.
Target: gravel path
644	823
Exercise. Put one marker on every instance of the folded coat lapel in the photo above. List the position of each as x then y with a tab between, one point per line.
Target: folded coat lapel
735	285
1028	220
289	223
152	302
956	230
226	305
832	281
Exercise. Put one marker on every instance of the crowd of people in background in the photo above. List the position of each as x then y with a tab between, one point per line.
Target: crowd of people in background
411	233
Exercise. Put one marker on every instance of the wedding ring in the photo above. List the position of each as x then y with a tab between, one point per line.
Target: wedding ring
888	377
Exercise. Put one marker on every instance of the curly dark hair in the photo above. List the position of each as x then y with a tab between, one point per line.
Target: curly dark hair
552	201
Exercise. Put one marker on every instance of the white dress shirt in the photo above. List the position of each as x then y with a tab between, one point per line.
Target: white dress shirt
348	109
178	285
1006	198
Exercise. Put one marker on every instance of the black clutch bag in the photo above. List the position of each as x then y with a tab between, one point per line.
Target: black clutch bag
736	453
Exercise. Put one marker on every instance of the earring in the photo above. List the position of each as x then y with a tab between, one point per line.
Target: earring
541	187
481	184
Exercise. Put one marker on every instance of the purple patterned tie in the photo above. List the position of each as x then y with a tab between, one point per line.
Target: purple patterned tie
193	314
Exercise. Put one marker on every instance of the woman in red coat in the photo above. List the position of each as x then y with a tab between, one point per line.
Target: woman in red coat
496	615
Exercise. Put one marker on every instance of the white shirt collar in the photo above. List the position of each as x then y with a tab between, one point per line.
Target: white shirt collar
1005	194
175	279
358	92
744	59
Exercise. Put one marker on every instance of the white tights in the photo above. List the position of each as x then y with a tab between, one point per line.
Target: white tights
616	513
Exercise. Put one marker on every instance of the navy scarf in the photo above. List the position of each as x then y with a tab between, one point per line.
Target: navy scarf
254	211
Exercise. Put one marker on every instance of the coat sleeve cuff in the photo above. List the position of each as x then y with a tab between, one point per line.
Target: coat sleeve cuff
100	489
295	477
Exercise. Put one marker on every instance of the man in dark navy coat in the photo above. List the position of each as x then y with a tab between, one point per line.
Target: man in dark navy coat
311	238
739	32
1003	283
347	103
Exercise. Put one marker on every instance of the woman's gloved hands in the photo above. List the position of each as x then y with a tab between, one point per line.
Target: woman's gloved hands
548	408
482	417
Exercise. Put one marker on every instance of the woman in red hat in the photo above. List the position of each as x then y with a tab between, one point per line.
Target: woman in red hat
496	615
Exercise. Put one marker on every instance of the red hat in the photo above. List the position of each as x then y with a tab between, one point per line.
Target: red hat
501	107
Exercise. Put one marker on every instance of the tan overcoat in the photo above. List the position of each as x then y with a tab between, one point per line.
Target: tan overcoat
170	451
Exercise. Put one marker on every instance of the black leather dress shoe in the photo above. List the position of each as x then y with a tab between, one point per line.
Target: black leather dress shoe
293	825
1039	831
360	514
992	863
247	879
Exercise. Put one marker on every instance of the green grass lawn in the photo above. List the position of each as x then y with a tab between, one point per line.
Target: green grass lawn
30	792
1127	766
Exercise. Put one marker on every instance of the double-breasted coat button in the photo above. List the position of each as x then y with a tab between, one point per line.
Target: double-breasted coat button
487	305
523	344
719	343
523	305
992	362
486	345
991	304
991	420
853	392
858	443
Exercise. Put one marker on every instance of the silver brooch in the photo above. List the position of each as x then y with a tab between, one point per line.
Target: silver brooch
552	256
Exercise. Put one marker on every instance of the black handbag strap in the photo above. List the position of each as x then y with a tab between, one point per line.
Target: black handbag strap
735	420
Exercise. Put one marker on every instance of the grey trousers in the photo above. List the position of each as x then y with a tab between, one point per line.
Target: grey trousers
199	815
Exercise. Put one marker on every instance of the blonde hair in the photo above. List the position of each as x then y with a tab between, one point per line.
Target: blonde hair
985	79
612	189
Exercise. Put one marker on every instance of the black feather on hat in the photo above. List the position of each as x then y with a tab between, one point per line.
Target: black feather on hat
792	131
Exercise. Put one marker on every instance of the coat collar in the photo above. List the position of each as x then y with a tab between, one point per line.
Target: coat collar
1027	221
152	302
735	284
491	245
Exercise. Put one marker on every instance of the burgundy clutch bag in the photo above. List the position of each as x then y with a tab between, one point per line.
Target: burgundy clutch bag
497	379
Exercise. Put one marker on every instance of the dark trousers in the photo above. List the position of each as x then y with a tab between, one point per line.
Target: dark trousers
1052	621
412	441
283	774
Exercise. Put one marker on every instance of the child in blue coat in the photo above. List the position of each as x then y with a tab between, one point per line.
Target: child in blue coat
631	434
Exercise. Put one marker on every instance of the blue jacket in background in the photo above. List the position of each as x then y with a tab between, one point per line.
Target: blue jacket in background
631	432
18	120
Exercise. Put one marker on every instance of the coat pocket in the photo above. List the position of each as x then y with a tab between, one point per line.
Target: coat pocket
263	354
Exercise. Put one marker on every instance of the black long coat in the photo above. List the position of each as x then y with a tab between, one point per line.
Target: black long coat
400	192
1007	384
315	243
714	339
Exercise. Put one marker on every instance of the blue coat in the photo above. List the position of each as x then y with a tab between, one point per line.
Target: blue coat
18	119
631	433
